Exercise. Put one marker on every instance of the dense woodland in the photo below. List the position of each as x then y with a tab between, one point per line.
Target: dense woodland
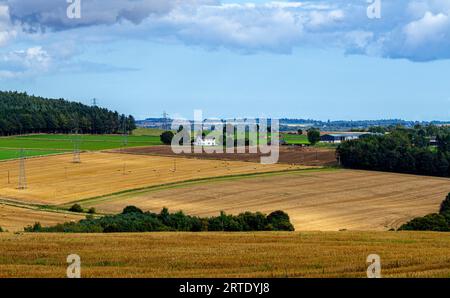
401	150
133	219
21	113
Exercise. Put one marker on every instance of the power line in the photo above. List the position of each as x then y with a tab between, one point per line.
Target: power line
124	132
165	121
76	148
22	174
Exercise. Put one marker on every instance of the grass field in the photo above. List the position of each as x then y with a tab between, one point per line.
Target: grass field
56	180
265	254
66	142
315	199
295	139
16	153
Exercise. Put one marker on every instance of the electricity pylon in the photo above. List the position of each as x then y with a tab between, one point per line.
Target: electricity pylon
22	174
76	148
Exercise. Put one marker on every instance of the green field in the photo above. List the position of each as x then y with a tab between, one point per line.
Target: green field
44	144
15	153
295	139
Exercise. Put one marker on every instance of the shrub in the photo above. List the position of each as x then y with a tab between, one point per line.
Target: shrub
430	222
1	230
133	219
34	228
279	220
131	209
313	136
76	208
166	137
92	210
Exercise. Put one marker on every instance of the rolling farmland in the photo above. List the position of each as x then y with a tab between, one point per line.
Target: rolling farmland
327	200
263	254
56	180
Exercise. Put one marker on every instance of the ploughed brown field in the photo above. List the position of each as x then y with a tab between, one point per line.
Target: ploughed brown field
288	155
264	254
325	200
56	180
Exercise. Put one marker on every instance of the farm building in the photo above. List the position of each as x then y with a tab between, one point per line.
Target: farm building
205	141
433	141
341	137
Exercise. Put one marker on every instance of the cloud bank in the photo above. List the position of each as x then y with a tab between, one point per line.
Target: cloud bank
417	30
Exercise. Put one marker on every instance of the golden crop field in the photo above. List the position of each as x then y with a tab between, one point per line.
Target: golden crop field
264	254
56	180
325	200
14	218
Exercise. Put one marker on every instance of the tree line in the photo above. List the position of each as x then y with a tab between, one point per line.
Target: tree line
401	150
21	113
133	219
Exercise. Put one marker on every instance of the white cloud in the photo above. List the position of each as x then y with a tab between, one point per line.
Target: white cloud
24	62
430	28
7	32
418	30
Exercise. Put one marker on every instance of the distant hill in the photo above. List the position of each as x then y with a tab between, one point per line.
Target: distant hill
22	113
294	124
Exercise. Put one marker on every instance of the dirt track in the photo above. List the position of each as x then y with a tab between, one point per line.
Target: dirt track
288	155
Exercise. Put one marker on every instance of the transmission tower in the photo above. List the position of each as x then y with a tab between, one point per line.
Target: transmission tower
94	102
22	174
76	148
165	121
124	132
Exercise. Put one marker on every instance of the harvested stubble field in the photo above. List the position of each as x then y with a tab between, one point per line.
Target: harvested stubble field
56	180
325	200
264	254
13	218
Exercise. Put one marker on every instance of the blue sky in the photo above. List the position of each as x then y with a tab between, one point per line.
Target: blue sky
314	59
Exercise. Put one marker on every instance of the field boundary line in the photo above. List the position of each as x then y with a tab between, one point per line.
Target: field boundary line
187	183
39	156
37	207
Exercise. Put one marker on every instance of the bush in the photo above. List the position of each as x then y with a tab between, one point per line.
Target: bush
133	219
92	210
313	136
131	209
166	137
280	221
34	228
432	222
76	208
1	230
